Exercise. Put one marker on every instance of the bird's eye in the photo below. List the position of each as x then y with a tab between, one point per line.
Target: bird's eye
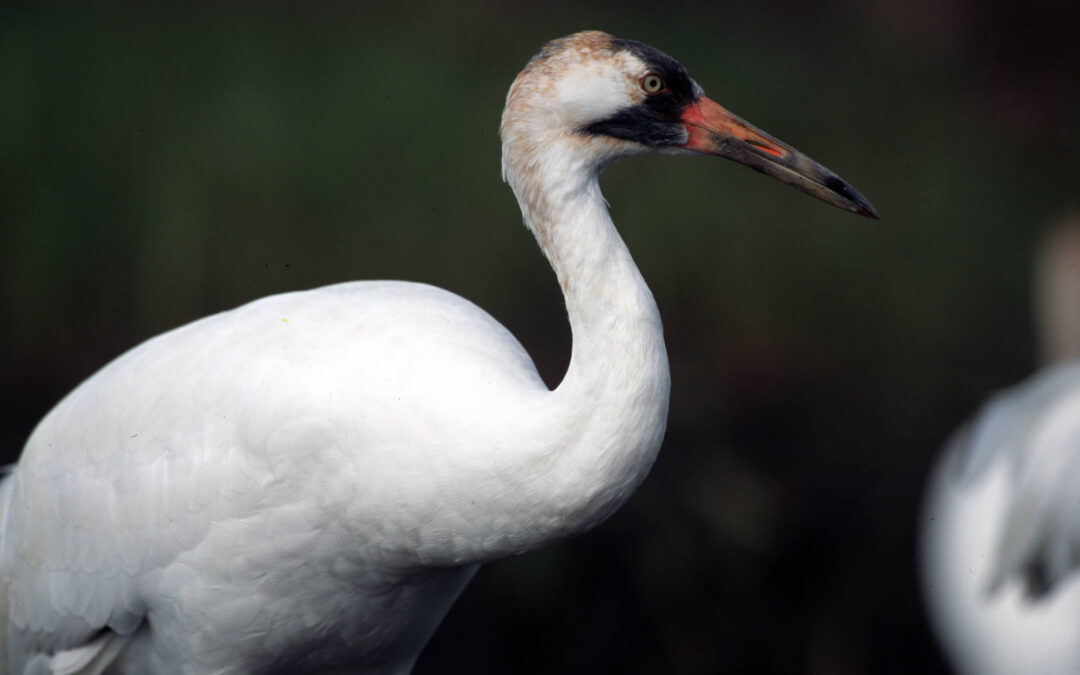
652	83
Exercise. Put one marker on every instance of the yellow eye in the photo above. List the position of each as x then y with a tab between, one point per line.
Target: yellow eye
652	83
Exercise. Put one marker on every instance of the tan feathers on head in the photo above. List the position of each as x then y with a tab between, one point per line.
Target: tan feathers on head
569	83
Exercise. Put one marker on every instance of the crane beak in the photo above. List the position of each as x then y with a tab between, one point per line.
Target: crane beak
715	131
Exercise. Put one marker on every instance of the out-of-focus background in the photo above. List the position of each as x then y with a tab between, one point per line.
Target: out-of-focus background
159	163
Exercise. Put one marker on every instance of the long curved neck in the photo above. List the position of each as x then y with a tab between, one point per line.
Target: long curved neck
604	423
613	317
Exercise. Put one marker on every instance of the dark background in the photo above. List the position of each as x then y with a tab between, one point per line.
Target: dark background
159	163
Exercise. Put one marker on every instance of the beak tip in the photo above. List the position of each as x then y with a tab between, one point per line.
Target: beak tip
856	203
865	208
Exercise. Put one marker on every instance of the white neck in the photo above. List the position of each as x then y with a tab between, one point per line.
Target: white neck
590	442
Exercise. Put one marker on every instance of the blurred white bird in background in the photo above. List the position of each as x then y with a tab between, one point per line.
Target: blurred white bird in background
307	482
1001	518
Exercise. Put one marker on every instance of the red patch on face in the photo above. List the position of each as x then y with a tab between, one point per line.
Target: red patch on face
705	121
698	137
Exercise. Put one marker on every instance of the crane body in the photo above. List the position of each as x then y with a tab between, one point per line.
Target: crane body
265	455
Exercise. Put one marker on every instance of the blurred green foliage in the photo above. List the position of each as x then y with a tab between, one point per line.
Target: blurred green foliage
162	162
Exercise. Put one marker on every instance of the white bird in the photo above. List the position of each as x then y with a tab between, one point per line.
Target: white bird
307	482
1001	517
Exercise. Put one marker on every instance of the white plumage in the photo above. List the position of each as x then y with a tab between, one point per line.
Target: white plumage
307	482
1001	519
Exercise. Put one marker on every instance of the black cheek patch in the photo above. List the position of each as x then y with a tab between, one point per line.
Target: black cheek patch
668	104
640	125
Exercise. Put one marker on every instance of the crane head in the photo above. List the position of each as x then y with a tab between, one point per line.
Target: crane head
609	98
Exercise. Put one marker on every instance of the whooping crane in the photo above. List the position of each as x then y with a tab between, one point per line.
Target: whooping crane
307	482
